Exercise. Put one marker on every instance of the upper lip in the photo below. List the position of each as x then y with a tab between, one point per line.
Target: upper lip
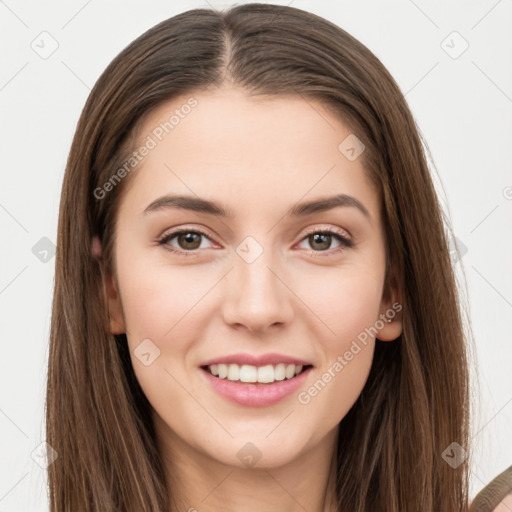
261	360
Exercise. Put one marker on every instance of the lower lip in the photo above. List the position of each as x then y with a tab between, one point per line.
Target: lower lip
256	394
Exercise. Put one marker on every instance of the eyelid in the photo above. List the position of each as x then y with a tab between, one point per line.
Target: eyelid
340	231
180	228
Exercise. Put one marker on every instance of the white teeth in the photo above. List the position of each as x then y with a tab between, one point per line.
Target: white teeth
290	371
233	372
279	371
249	373
223	371
266	373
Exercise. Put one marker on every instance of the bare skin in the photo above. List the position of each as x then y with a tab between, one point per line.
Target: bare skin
505	504
300	297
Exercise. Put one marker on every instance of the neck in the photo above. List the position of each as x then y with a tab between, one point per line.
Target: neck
200	483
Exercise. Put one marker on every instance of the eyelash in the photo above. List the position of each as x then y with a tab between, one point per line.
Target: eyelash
345	242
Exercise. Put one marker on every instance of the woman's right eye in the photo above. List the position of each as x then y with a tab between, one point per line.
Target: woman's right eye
188	240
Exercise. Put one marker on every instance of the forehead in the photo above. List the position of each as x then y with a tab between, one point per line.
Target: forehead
245	151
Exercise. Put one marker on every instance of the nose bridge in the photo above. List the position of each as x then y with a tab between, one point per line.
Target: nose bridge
257	297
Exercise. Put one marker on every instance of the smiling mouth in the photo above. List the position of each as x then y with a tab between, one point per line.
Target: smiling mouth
249	374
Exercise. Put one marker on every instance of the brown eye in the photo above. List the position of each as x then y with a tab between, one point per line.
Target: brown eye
320	241
189	240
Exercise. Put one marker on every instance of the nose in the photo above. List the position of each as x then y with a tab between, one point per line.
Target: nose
256	295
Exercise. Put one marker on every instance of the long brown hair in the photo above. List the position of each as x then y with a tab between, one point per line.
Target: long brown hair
415	403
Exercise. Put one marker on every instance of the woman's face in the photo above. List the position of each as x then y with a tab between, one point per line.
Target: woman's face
256	281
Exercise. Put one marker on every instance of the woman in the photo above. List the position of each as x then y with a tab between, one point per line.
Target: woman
254	303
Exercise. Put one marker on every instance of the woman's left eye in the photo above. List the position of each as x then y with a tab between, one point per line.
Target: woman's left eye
324	239
190	240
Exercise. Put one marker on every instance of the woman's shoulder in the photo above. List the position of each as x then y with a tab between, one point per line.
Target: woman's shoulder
496	496
505	505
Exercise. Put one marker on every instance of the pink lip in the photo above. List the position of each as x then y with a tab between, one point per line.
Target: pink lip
255	394
256	360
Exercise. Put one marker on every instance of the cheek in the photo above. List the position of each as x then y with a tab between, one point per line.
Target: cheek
346	300
157	301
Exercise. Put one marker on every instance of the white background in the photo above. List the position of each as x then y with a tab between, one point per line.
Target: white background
463	107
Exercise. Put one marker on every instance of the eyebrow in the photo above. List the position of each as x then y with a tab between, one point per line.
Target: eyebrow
303	209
